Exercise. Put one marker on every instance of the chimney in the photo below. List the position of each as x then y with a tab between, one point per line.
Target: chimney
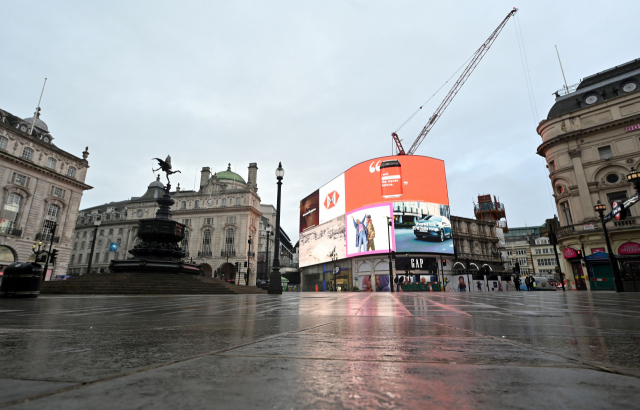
253	176
205	174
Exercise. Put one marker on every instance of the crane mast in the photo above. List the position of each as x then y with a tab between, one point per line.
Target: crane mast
475	60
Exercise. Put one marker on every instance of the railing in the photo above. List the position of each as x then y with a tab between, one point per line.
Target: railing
202	254
11	231
46	238
225	254
626	222
489	206
251	254
565	91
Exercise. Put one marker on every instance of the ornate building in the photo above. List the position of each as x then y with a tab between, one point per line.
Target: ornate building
477	242
590	140
41	186
220	217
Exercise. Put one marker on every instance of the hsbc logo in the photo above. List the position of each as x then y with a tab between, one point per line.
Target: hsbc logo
373	168
331	199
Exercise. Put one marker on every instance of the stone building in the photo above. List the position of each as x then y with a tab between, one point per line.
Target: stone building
477	244
220	217
590	140
42	186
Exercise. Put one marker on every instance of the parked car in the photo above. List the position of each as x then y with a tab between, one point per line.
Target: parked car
432	226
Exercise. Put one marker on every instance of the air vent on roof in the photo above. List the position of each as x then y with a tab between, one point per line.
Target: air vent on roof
630	86
591	99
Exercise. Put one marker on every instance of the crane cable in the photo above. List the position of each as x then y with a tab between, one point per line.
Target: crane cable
532	101
434	94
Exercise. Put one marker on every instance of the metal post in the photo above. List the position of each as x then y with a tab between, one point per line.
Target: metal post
617	279
390	263
554	240
93	246
275	284
46	264
267	257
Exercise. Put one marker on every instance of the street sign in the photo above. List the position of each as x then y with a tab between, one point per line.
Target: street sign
113	247
626	205
336	270
617	210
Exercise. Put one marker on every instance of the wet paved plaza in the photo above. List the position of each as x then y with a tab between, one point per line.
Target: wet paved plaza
322	351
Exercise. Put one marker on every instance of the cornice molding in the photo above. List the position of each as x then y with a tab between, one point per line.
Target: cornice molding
44	170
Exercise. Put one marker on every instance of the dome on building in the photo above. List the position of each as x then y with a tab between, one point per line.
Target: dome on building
39	123
229	175
156	184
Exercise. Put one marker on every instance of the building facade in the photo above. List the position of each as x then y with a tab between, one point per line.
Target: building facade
477	244
220	218
42	186
590	140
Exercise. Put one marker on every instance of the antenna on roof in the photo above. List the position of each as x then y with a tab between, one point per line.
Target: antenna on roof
562	69
36	114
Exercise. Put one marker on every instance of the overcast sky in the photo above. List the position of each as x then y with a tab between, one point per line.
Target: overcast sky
317	85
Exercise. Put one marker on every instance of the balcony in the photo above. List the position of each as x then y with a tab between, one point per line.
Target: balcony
626	222
251	254
46	238
10	231
224	254
205	254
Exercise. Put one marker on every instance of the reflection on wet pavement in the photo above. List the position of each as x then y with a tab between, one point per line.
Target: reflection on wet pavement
322	350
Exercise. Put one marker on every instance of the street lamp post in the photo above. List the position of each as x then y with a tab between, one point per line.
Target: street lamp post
96	224
269	232
275	284
634	178
617	280
390	263
249	262
554	241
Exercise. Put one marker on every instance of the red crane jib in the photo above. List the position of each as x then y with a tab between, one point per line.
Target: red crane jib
475	60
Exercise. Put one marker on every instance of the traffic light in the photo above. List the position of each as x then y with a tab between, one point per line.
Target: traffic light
393	255
444	262
245	264
579	253
53	256
237	265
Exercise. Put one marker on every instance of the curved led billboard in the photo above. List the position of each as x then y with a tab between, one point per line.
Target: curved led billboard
348	216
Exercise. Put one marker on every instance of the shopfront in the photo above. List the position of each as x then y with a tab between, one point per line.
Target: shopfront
572	256
600	274
629	262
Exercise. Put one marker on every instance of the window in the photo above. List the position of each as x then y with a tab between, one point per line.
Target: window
96	259
79	259
59	192
524	271
547	262
552	166
51	163
27	153
120	231
197	204
106	257
119	242
208	221
75	246
521	251
560	189
186	222
237	201
101	232
231	219
618	197
224	201
72	258
10	213
77	235
3	143
522	261
99	243
230	240
71	172
612	178
50	219
566	212
509	252
605	152
183	205
185	241
19	179
84	234
206	242
110	232
82	245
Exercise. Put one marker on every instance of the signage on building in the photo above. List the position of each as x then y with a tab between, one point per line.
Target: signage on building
615	213
569	253
629	248
588	227
596	250
113	247
404	263
633	128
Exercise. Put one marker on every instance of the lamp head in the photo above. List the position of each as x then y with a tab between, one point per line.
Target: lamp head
269	229
633	176
280	171
97	222
600	207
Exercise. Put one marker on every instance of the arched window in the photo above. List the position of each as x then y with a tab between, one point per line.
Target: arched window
230	241
3	143
183	205
237	201
224	201
206	242
71	172
185	242
27	153
50	219
10	213
51	163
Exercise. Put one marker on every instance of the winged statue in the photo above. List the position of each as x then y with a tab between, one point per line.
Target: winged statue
165	166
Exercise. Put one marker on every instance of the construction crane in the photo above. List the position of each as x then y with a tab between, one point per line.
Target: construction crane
475	60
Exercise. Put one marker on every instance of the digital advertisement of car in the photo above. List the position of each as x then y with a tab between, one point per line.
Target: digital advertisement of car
411	189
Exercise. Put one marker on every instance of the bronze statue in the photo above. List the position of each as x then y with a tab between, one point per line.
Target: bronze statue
165	166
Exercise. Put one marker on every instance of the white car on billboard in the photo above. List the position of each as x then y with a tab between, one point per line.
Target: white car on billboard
432	226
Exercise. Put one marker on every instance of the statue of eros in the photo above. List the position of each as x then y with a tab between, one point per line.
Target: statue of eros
165	166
